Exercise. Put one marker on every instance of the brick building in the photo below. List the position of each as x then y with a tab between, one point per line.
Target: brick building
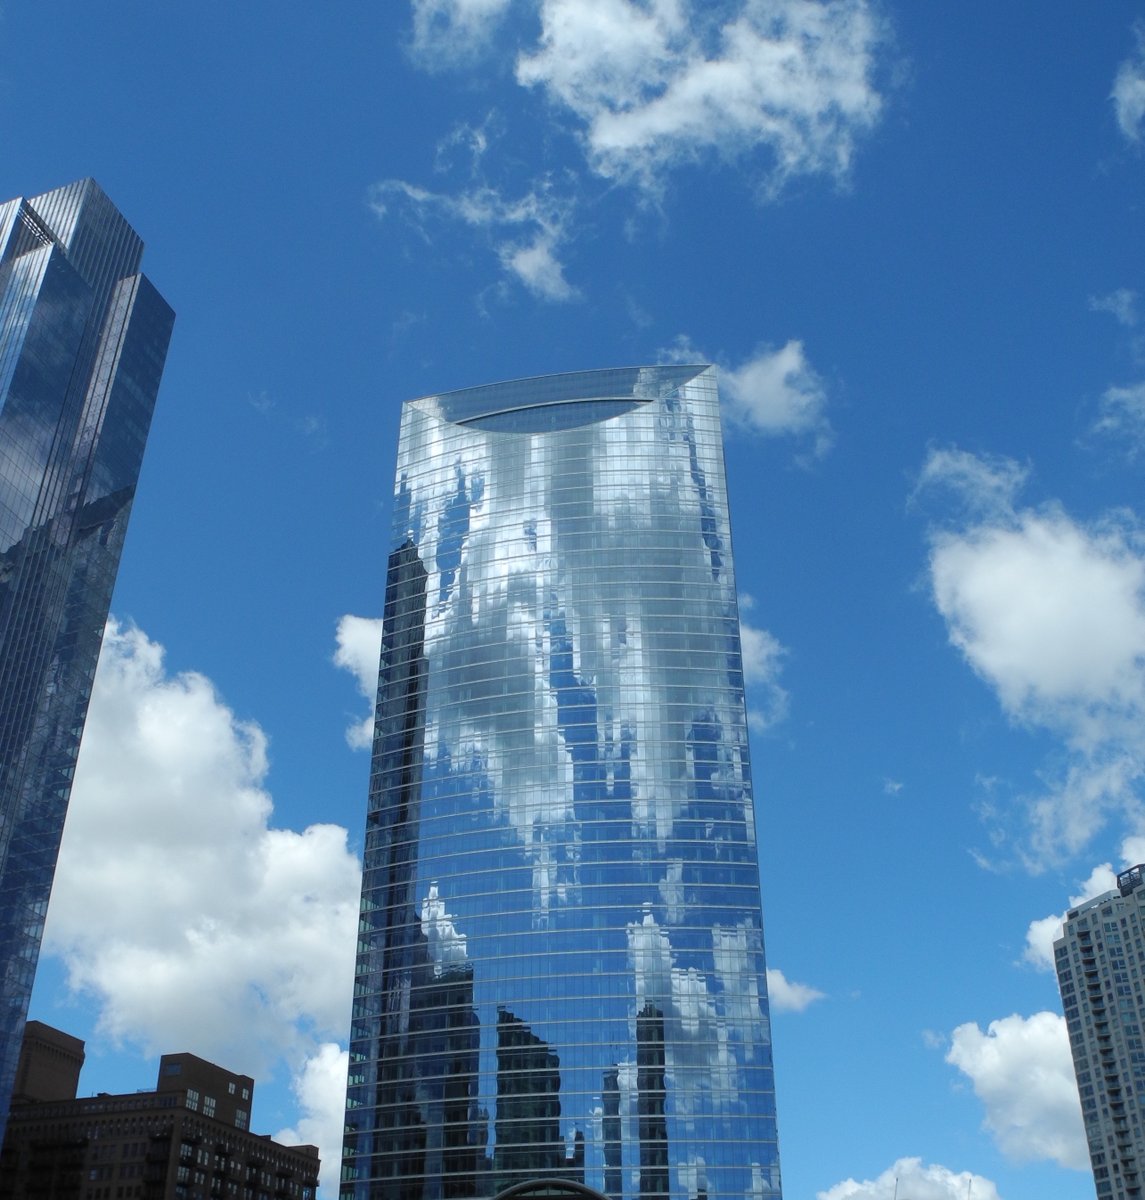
189	1139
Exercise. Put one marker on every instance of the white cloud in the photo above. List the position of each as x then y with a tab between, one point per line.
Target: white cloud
358	650
783	88
1079	800
1123	416
466	142
908	1177
1121	304
525	234
449	32
784	995
189	920
762	665
320	1089
1051	613
1022	1072
1121	410
1042	933
535	264
1133	850
777	392
1128	94
657	83
984	484
359	646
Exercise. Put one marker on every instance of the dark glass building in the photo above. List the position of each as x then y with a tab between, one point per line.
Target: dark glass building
560	965
83	337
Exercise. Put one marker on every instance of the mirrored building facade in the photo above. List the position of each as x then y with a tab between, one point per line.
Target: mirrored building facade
83	338
560	965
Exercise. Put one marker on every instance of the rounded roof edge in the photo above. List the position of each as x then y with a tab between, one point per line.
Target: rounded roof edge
631	384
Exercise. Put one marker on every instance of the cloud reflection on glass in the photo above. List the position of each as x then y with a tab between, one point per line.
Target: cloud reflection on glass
561	970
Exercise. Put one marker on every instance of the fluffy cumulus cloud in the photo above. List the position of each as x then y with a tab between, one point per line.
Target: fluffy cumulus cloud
1133	850
359	646
1050	612
178	908
1022	1072
773	393
1129	91
527	234
763	657
657	83
1042	933
320	1090
910	1177
777	392
785	995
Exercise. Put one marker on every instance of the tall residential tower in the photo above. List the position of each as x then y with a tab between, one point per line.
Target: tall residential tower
1100	960
560	972
83	337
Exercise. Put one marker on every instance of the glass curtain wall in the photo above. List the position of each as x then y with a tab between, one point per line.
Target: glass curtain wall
561	970
83	340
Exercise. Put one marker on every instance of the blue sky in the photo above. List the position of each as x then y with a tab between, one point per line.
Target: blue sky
910	235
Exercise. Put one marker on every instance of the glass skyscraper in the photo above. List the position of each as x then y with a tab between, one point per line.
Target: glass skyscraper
83	337
560	970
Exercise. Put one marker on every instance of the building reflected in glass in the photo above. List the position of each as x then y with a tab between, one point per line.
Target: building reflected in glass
560	964
83	338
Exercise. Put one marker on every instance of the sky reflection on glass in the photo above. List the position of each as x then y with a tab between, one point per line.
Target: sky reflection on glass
561	968
83	341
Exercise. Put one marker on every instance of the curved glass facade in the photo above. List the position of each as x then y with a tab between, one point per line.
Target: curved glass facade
560	970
